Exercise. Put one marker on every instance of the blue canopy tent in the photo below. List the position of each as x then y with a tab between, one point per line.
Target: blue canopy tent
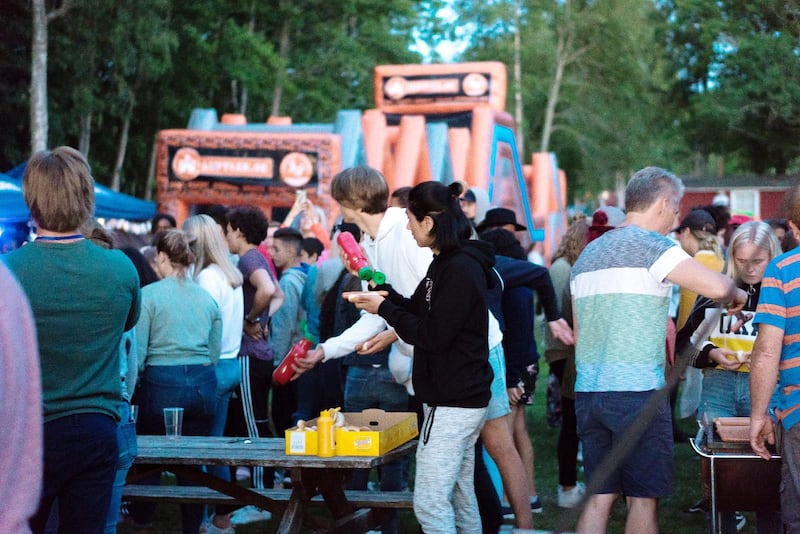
14	212
108	204
13	215
12	205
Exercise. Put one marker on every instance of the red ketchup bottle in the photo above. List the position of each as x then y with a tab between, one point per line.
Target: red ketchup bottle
356	261
284	372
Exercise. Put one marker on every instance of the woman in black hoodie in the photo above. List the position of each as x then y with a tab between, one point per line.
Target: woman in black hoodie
446	320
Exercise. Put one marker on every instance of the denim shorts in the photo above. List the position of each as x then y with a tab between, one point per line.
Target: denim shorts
498	404
603	420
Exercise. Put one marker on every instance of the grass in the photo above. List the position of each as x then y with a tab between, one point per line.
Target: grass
672	518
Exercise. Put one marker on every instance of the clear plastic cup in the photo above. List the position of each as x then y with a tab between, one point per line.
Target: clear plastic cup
173	422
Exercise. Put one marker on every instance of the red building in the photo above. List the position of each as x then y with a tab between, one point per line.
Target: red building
758	196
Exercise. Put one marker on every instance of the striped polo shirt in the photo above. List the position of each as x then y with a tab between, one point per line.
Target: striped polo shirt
779	306
621	306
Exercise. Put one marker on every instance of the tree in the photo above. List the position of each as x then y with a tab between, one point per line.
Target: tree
590	78
737	87
38	103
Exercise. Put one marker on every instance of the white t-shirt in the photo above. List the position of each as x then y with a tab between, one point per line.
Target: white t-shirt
231	306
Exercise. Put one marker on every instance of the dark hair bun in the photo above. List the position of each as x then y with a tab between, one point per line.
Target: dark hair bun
456	189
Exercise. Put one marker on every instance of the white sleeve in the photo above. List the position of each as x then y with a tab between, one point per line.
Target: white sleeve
367	326
668	261
405	348
704	329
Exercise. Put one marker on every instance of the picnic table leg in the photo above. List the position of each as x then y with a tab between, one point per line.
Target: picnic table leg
292	519
239	493
330	483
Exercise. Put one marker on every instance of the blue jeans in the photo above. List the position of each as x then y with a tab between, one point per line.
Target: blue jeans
126	441
229	376
725	394
374	387
318	389
192	387
80	459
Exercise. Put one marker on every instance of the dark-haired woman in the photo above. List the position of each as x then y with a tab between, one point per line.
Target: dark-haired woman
178	336
447	321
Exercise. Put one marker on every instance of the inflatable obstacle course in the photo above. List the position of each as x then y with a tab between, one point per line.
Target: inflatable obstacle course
442	122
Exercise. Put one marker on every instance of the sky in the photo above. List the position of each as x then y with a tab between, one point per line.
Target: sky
448	51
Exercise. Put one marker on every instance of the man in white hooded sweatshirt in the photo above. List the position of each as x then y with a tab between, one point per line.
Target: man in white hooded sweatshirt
375	381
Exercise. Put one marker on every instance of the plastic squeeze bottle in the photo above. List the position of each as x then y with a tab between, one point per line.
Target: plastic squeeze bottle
326	444
356	261
284	371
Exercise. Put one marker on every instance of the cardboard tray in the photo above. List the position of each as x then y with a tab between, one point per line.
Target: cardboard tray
733	429
387	430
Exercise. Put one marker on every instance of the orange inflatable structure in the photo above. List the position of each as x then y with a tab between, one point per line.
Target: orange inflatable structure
430	122
238	168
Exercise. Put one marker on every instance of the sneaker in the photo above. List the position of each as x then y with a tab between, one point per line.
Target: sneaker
507	512
696	508
249	514
536	505
208	527
571	498
242	473
741	521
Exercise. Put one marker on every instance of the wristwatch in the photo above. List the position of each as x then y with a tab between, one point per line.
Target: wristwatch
252	321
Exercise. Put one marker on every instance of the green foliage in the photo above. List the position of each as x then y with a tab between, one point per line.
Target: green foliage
738	68
156	60
605	108
665	82
15	64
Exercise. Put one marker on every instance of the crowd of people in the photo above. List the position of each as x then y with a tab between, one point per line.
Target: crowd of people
201	316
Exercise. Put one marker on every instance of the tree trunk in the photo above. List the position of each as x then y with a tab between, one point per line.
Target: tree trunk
283	50
123	145
700	164
518	83
38	90
234	95
84	142
151	173
552	97
251	28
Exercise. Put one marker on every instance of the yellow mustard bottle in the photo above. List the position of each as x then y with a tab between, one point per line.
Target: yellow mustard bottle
326	444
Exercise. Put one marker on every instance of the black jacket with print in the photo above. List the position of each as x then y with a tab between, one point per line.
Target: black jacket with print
447	321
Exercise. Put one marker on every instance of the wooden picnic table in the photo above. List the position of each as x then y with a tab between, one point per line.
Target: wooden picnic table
311	476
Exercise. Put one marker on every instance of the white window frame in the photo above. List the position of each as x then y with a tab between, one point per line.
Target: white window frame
746	201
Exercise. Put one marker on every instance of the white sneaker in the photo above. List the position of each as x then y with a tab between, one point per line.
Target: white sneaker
242	473
249	514
571	498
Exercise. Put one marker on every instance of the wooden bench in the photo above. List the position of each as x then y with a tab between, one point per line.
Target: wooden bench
201	494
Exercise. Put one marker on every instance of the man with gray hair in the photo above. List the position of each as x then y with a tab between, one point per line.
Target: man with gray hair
621	287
